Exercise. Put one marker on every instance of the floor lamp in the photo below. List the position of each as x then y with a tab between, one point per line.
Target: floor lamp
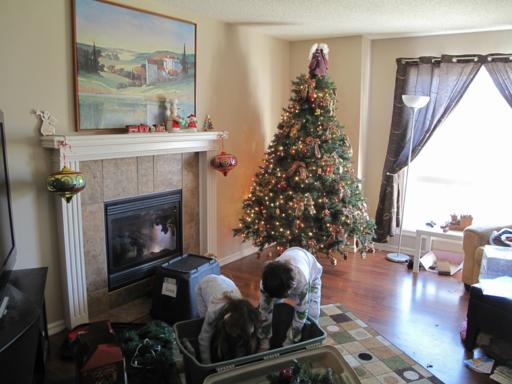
414	102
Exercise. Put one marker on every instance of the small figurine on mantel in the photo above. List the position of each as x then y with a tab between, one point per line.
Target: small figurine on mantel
208	124
175	121
48	123
192	123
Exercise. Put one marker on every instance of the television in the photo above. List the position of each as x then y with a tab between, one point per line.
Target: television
7	243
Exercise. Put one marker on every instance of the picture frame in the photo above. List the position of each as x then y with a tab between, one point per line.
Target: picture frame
130	65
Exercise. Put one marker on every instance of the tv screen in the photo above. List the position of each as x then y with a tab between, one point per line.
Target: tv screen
7	245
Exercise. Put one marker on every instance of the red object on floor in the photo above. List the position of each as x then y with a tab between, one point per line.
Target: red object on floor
98	358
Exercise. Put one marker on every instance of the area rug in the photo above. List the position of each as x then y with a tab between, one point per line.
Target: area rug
374	359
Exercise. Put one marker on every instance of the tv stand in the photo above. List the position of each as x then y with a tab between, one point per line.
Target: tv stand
3	306
23	328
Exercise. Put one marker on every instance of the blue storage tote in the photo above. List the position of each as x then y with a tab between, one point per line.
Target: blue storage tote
196	372
175	285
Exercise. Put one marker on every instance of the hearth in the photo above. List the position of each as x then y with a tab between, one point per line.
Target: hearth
141	233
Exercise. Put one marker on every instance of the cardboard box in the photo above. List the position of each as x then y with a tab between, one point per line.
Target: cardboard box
444	263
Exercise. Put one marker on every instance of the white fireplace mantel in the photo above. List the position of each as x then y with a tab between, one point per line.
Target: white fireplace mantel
85	147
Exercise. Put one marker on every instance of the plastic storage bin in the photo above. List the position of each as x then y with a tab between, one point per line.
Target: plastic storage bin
323	357
196	372
175	284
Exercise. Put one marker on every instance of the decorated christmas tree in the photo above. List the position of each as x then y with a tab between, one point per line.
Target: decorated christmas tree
306	192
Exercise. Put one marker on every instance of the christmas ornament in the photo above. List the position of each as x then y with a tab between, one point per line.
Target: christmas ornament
207	124
340	234
333	261
312	245
303	174
294	129
310	204
286	374
318	154
302	372
300	208
224	162
295	165
65	183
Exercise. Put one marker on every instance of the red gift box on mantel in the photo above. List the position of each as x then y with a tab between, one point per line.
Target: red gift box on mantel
99	359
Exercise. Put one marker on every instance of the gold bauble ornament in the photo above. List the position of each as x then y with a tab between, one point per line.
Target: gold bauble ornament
66	183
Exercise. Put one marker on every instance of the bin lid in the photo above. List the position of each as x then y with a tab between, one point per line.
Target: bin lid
187	263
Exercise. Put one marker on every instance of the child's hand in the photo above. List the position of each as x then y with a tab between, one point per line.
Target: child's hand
290	301
264	345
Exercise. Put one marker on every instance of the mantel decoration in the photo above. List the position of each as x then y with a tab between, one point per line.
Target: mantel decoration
66	183
128	63
223	161
48	122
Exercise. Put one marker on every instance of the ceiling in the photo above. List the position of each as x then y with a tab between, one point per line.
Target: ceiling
304	19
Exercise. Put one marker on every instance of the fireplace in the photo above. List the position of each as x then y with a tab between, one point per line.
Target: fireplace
141	233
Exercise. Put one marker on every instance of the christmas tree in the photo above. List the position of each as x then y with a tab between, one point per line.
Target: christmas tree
306	192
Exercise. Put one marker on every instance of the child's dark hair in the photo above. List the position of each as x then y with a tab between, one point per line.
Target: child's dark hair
277	279
235	331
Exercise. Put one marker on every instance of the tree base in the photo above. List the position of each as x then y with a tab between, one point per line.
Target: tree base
397	257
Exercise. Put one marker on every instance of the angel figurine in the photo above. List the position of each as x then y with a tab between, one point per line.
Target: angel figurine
175	121
47	123
318	56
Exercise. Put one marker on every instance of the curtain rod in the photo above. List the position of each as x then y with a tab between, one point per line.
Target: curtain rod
455	59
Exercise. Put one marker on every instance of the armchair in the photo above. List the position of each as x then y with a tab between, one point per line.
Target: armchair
473	241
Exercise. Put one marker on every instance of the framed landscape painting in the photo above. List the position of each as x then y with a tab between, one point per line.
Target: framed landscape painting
129	64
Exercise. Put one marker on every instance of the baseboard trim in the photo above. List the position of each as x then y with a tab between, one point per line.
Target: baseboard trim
238	255
56	327
386	247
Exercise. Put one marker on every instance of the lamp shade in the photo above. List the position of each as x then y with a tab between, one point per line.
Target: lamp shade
415	101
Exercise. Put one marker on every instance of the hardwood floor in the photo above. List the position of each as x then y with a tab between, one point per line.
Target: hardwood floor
420	314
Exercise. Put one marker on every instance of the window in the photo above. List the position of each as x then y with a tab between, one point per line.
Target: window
466	166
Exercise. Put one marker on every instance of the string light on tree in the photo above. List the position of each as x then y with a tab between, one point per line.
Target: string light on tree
306	193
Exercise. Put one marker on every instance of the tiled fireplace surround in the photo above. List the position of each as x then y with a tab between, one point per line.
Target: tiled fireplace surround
119	178
126	165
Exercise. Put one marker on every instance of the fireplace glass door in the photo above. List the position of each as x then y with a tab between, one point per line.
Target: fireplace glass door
142	233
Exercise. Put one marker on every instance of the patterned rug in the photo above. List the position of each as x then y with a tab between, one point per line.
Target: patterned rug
374	359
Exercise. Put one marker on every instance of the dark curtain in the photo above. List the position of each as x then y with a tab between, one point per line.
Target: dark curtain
445	80
500	69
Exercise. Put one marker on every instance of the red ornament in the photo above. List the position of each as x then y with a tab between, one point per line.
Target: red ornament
286	374
224	162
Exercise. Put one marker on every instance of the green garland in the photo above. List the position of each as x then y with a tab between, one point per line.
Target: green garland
150	353
302	373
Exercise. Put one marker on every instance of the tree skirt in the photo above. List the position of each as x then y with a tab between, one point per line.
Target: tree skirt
374	359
